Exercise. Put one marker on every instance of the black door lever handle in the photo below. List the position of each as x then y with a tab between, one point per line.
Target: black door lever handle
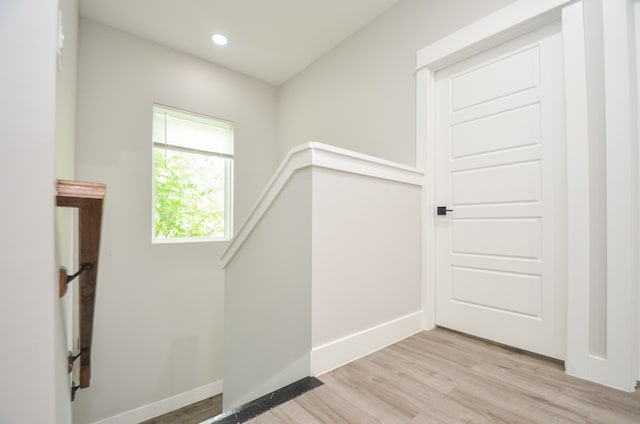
442	210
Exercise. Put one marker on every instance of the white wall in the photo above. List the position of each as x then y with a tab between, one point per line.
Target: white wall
361	95
268	299
366	265
29	362
366	253
65	137
636	26
64	217
66	92
158	328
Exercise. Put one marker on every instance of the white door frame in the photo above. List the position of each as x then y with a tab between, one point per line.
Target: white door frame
619	368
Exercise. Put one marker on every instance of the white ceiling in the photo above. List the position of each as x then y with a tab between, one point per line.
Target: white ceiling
271	40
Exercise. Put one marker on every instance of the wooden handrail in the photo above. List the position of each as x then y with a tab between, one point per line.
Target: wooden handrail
88	198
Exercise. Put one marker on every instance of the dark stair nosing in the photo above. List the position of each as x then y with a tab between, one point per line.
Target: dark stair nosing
264	403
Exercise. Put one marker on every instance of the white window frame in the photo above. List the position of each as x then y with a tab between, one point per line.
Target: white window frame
229	178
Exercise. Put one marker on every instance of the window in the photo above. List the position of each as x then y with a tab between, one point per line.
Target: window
192	176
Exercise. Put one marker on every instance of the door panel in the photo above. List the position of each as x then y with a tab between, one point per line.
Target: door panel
501	131
500	261
480	85
523	292
518	182
506	237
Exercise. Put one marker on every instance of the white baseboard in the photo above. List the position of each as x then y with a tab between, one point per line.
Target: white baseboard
323	359
342	351
163	406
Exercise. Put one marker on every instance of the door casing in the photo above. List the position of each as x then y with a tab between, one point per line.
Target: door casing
619	368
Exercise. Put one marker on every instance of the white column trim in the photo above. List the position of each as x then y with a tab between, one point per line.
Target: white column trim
578	197
619	367
622	212
425	154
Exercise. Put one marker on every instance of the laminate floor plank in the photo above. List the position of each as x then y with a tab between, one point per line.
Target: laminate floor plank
192	414
444	377
291	414
335	409
472	390
424	400
366	396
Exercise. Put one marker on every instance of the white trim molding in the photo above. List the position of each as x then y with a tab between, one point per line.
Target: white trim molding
323	156
578	198
620	366
506	23
622	193
342	351
164	406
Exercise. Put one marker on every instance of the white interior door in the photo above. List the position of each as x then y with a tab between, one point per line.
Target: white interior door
500	166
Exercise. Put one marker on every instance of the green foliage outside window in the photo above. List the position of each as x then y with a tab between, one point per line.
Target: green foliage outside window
189	194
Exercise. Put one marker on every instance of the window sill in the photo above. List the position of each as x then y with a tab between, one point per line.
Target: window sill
190	240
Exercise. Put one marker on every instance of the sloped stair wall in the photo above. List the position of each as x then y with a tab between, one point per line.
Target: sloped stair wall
326	269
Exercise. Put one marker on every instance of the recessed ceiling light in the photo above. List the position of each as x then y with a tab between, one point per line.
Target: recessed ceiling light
219	39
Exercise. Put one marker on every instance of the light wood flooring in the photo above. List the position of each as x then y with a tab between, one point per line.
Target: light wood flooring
441	376
444	377
192	414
